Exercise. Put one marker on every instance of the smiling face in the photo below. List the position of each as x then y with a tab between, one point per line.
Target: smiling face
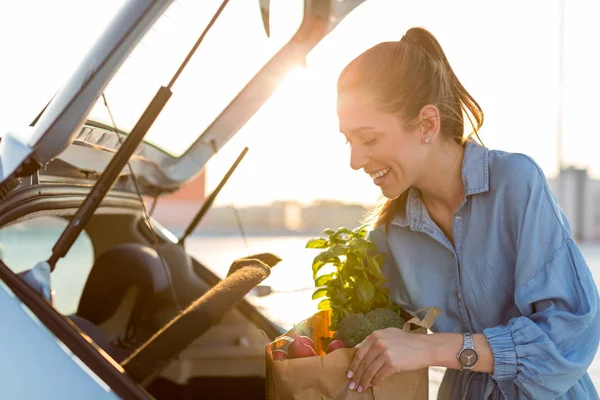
382	145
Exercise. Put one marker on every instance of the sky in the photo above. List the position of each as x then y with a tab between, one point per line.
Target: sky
505	53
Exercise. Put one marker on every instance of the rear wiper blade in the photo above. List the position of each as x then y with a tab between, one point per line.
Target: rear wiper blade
211	198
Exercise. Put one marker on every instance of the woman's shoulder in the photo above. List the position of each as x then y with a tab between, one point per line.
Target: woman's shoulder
521	182
515	171
378	236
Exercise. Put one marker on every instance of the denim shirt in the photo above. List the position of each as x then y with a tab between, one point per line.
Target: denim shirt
514	274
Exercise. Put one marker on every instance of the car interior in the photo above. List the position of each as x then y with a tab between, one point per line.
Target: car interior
146	317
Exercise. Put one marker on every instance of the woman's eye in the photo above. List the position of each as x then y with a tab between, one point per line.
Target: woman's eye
370	142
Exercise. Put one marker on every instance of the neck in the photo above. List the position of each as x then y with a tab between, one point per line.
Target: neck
442	186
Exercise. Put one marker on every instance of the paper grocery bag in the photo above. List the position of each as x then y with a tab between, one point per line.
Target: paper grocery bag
323	377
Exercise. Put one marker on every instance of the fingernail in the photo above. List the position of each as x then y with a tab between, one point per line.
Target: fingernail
359	389
349	375
352	384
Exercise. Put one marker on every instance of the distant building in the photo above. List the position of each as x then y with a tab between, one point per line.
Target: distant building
579	197
282	217
177	210
332	214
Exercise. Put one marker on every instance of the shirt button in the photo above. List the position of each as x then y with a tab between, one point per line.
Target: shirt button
458	216
457	296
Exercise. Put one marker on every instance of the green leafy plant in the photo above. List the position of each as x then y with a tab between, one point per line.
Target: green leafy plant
354	283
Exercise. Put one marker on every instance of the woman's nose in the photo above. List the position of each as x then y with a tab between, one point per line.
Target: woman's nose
358	158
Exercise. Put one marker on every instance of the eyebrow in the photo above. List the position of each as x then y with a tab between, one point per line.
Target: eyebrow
361	129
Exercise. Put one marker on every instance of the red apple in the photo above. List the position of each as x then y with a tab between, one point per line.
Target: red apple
334	345
305	340
300	347
280	355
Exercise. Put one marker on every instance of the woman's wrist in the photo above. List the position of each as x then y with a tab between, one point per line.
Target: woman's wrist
444	348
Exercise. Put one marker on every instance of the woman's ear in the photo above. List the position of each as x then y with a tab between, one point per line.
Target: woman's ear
430	123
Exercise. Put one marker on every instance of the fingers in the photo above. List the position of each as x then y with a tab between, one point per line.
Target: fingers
373	369
364	364
363	349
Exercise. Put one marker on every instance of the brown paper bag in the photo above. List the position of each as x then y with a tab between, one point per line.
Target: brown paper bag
324	377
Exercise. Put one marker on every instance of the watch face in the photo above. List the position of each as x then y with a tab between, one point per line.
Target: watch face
468	357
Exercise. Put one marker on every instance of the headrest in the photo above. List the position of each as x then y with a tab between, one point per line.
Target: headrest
114	273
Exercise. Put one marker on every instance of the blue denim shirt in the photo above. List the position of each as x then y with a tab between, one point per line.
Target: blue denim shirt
514	274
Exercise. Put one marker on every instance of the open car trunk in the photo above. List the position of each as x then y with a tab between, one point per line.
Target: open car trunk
145	313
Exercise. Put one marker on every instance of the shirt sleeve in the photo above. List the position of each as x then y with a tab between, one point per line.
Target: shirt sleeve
544	352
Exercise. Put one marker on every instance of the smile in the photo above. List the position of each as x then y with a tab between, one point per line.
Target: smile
380	174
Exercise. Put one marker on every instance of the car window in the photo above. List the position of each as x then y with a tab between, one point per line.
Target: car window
24	244
235	48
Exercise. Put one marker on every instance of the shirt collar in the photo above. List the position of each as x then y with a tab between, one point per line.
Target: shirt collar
475	176
475	169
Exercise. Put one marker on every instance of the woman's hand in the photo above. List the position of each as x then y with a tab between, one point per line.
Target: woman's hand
386	352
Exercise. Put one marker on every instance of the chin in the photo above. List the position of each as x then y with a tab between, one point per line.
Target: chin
390	193
394	189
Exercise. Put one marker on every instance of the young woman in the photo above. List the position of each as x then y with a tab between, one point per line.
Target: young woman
474	232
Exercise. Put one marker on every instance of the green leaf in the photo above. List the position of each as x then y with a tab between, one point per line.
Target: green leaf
347	272
337	250
334	322
380	258
381	300
352	260
342	235
323	279
338	296
374	268
361	231
324	305
372	247
366	293
317	243
326	257
328	232
343	314
361	245
319	293
317	265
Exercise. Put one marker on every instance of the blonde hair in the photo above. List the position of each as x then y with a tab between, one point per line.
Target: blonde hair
405	76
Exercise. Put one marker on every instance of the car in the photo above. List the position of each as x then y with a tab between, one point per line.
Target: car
99	300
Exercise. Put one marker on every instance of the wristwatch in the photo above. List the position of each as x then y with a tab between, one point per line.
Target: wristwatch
468	356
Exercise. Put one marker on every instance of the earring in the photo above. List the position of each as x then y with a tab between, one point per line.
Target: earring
428	138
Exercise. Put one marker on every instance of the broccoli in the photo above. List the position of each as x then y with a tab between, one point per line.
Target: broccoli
356	327
382	318
353	329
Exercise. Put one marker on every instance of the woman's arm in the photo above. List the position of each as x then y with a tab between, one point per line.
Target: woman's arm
541	353
392	350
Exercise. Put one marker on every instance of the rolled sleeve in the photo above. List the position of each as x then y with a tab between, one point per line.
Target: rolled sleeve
504	350
548	349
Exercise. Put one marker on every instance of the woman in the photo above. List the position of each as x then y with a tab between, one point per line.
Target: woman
474	232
